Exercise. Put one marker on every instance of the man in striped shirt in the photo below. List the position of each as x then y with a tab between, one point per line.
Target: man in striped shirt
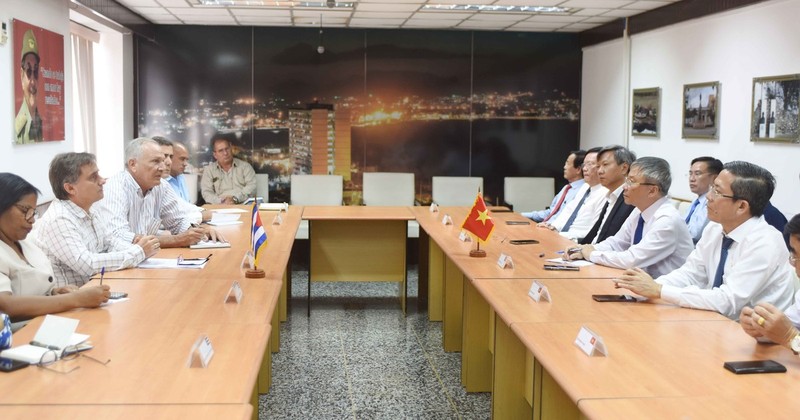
137	202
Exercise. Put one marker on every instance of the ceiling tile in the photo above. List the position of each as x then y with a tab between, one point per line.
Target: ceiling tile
431	23
152	11
197	11
590	12
540	25
461	1
264	19
177	3
441	15
555	18
498	17
393	1
325	14
583	26
209	20
647	4
139	3
165	20
260	12
382	15
305	21
386	7
483	25
622	12
377	21
529	2
610	4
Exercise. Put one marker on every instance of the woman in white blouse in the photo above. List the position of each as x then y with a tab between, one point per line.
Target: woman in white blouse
26	277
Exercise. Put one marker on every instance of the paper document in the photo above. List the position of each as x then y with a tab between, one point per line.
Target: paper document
573	263
221	219
167	263
274	206
210	244
229	211
55	334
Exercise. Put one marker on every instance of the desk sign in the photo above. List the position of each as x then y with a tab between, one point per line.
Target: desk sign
201	352
235	293
505	261
278	220
447	220
434	208
591	343
464	236
538	291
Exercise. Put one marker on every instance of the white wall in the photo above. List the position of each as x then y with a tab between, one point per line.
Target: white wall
31	161
732	48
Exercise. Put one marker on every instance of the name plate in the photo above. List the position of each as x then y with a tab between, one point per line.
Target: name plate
505	261
464	236
235	293
201	353
434	208
591	343
278	220
447	220
538	291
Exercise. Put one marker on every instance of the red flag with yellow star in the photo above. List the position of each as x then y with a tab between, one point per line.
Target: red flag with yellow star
478	221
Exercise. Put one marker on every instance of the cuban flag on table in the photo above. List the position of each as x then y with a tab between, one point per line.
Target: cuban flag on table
258	234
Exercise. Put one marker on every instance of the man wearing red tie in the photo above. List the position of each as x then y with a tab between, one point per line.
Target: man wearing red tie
574	177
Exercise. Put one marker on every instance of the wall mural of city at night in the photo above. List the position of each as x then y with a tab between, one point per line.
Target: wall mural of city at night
435	103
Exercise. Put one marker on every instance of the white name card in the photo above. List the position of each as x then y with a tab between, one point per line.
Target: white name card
434	208
447	220
538	291
278	220
201	353
464	236
235	293
591	343
505	261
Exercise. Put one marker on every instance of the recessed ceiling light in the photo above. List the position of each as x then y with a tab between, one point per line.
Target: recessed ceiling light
496	8
328	4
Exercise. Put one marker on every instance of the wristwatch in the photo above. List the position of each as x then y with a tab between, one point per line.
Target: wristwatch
794	345
235	200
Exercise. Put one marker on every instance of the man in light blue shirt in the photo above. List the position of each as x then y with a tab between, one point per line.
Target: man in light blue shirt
574	176
180	159
702	173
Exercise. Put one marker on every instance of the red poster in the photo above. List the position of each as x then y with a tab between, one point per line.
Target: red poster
38	84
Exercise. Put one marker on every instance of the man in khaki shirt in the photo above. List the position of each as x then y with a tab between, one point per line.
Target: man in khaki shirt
228	180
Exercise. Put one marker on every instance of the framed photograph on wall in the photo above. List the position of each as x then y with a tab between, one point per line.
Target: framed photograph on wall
646	106
700	111
776	109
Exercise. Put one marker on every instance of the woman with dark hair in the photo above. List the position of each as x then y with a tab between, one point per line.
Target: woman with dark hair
26	276
765	321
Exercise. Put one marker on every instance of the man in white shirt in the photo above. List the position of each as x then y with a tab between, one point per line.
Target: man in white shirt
72	236
180	160
615	162
574	177
701	174
654	237
739	261
581	213
195	214
138	201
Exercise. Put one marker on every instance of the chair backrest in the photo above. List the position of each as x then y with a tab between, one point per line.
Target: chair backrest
191	186
316	190
262	186
456	190
388	189
528	193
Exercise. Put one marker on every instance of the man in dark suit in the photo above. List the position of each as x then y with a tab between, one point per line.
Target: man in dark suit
614	162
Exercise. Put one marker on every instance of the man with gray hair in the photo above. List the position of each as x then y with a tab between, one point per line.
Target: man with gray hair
137	201
739	261
654	237
72	235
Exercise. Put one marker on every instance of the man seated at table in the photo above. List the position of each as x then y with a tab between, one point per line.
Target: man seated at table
71	234
740	259
580	214
177	181
137	201
702	173
615	162
228	180
574	177
655	236
767	322
195	214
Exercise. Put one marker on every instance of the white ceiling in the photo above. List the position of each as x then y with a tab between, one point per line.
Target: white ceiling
583	14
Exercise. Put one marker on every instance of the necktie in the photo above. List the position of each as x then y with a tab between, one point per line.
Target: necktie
575	213
723	255
560	202
691	210
637	236
592	235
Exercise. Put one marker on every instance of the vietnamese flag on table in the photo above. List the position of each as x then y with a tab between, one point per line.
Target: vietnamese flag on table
478	221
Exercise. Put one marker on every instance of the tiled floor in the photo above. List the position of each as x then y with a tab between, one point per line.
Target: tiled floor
357	357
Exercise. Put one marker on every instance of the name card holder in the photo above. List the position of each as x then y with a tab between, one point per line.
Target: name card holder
235	293
538	291
434	208
505	261
277	220
201	353
590	343
447	220
464	236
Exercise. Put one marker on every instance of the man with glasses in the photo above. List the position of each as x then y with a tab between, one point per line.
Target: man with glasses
72	235
654	237
28	124
739	261
615	162
228	180
702	173
574	177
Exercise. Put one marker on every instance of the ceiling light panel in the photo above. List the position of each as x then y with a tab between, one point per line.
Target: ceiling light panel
260	12
529	2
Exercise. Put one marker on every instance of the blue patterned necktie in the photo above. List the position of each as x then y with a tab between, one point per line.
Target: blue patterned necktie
637	236
691	210
723	255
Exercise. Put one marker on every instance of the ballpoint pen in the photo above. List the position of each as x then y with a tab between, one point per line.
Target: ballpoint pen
102	273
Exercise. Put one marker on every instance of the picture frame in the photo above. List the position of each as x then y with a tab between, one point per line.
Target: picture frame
775	115
646	110
701	111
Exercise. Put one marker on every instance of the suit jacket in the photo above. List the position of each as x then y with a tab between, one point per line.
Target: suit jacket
615	220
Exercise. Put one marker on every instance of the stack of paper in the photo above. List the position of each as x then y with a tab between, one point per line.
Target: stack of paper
55	333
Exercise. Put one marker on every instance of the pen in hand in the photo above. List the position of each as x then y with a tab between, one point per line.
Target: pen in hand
102	273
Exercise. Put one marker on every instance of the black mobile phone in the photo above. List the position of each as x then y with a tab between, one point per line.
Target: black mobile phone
118	295
561	268
755	366
517	222
9	365
614	298
523	241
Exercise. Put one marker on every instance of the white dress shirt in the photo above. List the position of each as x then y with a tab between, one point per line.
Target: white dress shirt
756	270
793	313
664	246
587	214
79	245
129	212
611	199
699	218
539	215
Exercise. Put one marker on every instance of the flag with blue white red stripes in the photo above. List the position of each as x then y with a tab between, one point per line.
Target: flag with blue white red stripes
259	235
